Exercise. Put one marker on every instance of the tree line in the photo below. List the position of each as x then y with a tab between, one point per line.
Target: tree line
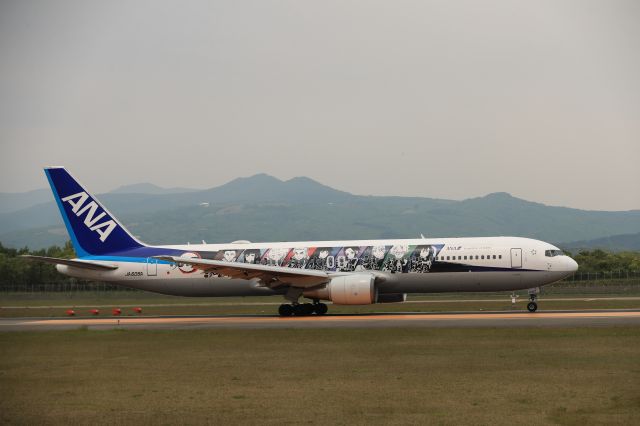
604	261
15	270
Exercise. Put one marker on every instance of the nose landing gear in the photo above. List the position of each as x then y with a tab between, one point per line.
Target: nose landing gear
532	306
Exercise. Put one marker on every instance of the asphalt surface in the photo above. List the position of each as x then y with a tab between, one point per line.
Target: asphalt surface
261	303
575	318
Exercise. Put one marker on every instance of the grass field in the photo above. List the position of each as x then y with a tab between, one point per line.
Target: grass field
56	304
321	376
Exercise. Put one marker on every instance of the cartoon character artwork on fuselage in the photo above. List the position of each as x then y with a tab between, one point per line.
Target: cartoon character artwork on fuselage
398	258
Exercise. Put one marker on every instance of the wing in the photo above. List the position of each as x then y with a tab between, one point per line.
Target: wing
272	276
76	263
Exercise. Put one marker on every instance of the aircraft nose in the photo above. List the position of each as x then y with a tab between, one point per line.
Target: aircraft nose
572	265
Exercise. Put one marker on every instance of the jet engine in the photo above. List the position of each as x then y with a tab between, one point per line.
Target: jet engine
352	289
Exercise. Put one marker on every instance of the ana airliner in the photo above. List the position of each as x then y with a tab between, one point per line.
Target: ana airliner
357	272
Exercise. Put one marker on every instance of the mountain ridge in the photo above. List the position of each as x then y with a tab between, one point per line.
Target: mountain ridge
262	207
620	242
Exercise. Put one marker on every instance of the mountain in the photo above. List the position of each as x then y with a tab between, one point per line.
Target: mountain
263	188
260	188
624	242
12	202
263	208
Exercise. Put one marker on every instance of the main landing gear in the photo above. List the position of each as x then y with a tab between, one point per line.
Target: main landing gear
532	306
302	309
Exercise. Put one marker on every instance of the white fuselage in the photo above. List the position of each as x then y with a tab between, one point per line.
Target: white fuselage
453	265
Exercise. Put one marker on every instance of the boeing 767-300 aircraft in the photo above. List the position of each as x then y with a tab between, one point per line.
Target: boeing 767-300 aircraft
359	272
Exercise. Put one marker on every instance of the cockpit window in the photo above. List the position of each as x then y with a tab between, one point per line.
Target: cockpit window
553	253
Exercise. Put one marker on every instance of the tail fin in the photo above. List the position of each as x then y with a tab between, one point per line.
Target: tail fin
93	230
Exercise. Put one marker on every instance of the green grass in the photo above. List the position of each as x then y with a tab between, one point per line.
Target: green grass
322	376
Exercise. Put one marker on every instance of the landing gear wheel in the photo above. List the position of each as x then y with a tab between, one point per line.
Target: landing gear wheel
532	307
309	309
285	310
320	308
303	309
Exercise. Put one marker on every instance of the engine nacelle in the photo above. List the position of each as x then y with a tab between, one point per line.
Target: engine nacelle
391	298
353	289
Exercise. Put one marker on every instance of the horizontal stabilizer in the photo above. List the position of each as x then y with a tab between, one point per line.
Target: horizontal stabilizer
76	263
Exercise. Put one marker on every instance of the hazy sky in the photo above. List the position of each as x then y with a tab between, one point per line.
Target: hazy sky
448	99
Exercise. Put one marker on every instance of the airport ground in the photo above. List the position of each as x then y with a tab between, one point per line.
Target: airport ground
322	376
558	374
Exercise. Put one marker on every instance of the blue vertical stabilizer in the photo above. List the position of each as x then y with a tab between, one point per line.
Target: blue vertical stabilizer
93	230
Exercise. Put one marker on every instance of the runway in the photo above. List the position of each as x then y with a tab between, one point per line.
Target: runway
442	320
262	303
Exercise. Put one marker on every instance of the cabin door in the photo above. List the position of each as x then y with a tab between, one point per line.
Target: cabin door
516	258
152	267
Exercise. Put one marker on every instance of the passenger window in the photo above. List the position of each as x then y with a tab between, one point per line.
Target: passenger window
476	257
499	256
465	258
494	256
482	257
447	257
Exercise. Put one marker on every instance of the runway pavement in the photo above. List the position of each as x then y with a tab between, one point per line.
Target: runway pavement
263	303
453	319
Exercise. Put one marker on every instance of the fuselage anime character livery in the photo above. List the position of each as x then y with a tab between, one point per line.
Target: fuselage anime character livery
344	272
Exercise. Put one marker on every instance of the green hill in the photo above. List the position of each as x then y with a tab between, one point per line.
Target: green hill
615	243
263	208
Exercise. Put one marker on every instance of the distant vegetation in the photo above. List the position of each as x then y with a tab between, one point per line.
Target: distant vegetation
16	272
603	261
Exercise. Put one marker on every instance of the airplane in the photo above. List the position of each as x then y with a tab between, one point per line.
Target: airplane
359	272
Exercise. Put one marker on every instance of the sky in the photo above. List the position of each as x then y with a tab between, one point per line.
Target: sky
443	99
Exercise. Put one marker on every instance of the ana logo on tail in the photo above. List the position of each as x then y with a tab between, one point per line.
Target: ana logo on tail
77	202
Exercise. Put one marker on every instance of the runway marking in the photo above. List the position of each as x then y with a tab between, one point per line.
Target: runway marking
329	318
